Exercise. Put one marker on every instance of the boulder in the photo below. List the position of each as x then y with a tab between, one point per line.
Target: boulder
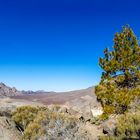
110	125
86	106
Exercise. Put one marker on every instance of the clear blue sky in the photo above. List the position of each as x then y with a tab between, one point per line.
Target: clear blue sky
55	44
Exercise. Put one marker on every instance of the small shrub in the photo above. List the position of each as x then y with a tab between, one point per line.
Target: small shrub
128	127
24	115
35	129
37	122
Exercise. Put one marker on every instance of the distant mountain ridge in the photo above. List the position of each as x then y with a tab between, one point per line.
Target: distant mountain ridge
8	91
12	91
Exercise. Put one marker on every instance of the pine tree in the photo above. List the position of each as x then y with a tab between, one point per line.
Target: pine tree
123	62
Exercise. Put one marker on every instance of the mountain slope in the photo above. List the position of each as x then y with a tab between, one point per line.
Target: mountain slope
8	91
58	97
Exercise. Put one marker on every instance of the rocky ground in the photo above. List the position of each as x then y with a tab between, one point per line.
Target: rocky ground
7	130
81	104
10	132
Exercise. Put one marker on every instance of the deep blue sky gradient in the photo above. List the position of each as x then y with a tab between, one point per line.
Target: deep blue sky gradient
55	44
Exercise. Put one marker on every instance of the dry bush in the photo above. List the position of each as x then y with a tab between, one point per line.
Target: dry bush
128	128
42	123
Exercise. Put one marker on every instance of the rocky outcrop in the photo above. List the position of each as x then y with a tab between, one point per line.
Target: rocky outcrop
85	107
83	104
6	91
110	125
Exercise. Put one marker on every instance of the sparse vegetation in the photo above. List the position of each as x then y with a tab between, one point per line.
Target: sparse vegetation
119	86
128	127
24	115
40	122
35	129
29	119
